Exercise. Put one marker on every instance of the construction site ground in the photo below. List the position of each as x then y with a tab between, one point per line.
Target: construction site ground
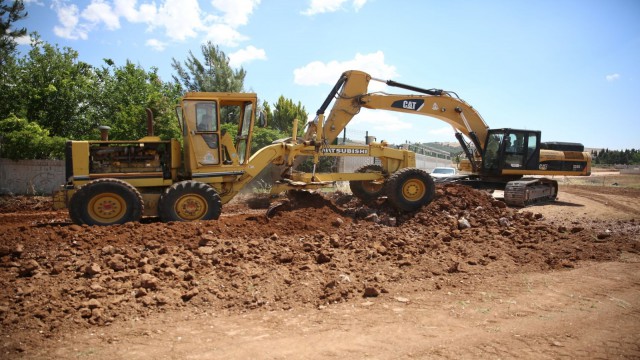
330	278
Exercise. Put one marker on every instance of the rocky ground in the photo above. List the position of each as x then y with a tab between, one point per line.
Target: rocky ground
332	250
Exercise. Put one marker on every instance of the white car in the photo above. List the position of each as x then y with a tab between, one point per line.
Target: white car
443	172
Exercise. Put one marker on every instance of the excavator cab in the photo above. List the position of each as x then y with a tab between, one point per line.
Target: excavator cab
511	151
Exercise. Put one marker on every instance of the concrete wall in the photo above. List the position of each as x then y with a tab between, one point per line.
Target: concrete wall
32	177
350	164
44	176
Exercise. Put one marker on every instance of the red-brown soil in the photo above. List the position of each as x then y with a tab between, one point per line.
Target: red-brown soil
363	271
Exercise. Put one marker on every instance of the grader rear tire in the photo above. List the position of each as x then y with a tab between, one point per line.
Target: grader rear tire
106	202
189	201
410	189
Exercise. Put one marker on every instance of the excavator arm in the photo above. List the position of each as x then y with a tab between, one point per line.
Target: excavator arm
351	94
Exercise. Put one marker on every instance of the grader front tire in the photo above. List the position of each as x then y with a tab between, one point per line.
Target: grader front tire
410	189
189	201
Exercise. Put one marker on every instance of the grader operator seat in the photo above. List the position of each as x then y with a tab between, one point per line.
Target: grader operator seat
229	153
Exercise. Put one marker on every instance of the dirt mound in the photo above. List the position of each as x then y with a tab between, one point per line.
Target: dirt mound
10	203
55	274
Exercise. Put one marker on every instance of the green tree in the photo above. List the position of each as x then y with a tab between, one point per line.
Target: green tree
124	94
21	139
51	87
9	14
213	73
285	111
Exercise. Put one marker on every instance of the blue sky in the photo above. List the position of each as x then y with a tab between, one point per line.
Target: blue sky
569	68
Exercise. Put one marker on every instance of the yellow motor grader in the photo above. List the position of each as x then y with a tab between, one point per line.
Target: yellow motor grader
113	182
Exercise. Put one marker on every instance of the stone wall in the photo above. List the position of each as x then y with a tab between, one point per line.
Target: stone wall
42	177
30	177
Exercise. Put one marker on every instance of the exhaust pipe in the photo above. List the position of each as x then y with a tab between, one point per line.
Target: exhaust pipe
149	122
104	132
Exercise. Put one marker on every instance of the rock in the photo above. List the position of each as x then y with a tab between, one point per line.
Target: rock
322	258
148	281
504	222
576	229
207	239
498	204
162	299
370	292
146	269
286	258
337	222
190	294
334	240
373	218
603	235
85	313
463	223
92	304
29	268
92	270
117	263
140	292
380	249
108	250
206	250
17	250
75	227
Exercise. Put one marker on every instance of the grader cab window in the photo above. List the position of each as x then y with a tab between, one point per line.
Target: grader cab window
206	116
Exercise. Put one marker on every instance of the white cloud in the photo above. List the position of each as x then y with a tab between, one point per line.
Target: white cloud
69	18
236	12
327	6
146	13
358	4
612	77
156	44
23	40
179	19
224	35
447	130
245	55
317	72
99	11
379	122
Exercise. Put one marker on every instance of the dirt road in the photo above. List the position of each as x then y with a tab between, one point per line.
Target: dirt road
334	280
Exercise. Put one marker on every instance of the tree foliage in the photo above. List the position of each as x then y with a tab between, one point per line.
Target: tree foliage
125	92
616	157
285	111
51	87
213	73
21	139
9	14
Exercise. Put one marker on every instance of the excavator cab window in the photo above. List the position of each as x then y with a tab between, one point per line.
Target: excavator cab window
491	158
509	149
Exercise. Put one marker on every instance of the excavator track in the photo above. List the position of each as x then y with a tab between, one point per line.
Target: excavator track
530	191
